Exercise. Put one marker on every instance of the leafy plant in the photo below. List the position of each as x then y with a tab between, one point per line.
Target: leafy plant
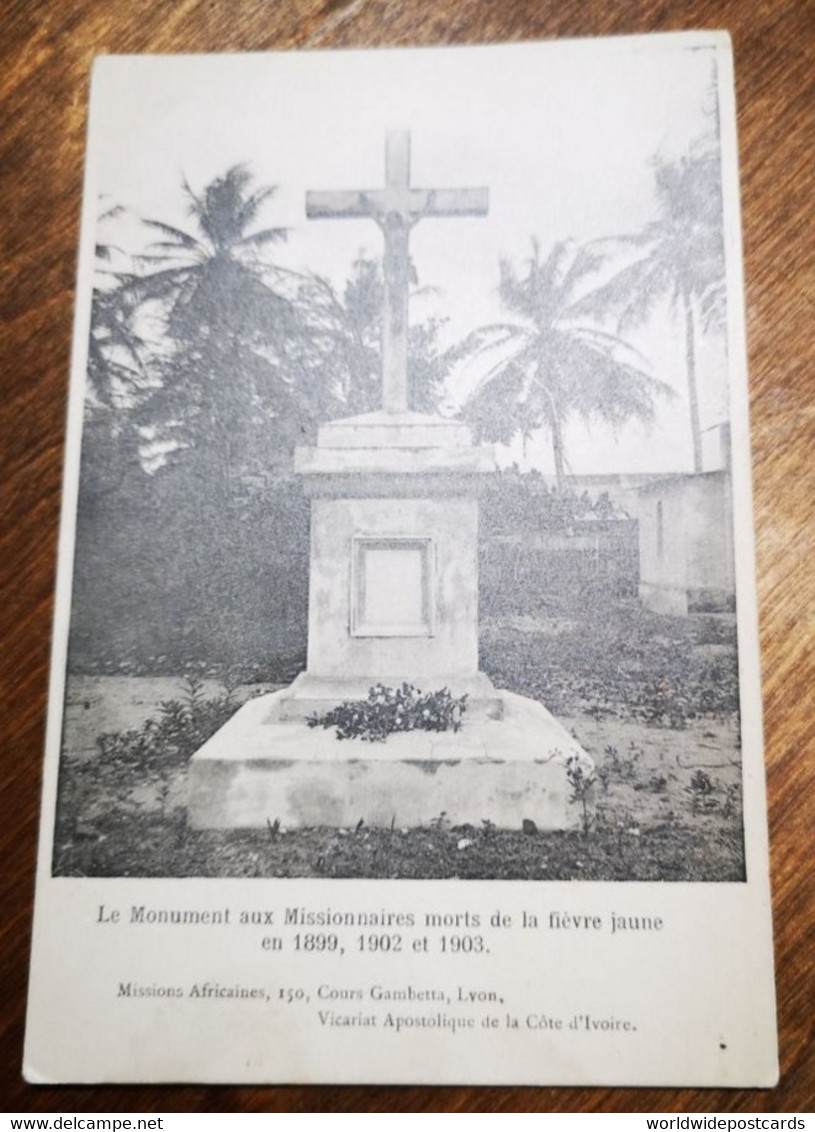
183	725
701	783
621	767
703	791
387	710
581	782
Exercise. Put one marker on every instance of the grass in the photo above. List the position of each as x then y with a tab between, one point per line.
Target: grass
677	849
615	659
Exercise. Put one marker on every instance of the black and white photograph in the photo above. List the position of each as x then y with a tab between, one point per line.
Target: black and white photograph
404	541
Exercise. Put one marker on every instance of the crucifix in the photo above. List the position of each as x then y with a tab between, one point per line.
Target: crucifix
395	209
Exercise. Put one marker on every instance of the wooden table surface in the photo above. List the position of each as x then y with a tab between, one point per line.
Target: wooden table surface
46	49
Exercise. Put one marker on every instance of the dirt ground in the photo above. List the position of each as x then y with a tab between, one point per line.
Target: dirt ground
96	704
653	769
648	770
667	804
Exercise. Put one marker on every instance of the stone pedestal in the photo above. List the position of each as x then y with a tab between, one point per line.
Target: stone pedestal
393	597
393	589
261	768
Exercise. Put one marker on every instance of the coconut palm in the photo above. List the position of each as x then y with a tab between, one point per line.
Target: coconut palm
677	259
116	370
553	363
345	336
222	375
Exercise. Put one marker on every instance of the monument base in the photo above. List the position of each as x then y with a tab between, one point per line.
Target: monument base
259	768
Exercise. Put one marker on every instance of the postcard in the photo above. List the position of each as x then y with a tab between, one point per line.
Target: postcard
405	716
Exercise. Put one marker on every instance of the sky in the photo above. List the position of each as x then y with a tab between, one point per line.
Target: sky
563	135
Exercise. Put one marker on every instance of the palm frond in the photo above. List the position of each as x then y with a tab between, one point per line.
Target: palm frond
505	368
630	294
195	206
266	236
177	235
113	212
713	304
585	263
159	284
253	204
612	344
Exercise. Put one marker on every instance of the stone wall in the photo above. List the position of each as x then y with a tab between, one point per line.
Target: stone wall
686	544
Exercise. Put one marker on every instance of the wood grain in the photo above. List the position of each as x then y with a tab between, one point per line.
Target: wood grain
45	54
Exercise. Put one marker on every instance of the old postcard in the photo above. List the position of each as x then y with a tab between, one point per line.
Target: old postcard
405	718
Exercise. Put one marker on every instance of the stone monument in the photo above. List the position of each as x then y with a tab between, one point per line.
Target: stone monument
393	598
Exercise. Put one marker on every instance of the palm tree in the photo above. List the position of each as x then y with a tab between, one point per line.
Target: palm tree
678	258
224	375
116	370
345	332
552	363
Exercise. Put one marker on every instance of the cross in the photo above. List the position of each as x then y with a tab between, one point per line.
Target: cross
396	208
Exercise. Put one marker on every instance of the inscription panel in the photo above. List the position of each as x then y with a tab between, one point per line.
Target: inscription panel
392	586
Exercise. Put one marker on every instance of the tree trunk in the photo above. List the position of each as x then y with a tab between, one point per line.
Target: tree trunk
557	451
693	393
525	438
556	425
